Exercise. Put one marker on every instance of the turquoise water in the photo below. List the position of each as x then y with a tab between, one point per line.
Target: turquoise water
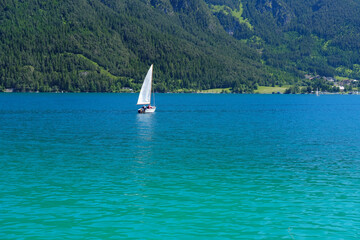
87	166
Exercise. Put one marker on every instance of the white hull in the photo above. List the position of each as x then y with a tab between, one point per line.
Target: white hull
150	110
147	110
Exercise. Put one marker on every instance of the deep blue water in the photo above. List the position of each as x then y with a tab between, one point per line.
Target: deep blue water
87	166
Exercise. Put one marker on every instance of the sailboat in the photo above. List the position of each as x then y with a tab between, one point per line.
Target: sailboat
145	94
317	92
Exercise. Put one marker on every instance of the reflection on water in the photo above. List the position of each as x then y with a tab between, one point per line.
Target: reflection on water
144	150
145	124
145	127
143	164
144	138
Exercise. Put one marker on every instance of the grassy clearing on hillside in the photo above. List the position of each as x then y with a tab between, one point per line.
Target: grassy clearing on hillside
269	90
341	78
234	12
238	15
216	90
220	8
102	70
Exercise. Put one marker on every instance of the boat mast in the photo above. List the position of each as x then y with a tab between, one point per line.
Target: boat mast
151	86
154	96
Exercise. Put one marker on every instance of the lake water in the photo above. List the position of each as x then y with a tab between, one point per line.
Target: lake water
87	166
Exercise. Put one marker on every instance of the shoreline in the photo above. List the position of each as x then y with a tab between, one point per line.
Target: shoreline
198	92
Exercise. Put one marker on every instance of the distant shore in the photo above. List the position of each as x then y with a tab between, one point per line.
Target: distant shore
204	92
259	90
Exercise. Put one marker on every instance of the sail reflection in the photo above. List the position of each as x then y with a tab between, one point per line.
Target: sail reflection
145	138
145	128
142	168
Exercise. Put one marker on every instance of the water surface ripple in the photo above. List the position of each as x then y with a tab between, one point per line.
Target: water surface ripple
87	166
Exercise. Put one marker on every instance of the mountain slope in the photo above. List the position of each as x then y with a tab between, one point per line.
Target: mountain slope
108	45
315	36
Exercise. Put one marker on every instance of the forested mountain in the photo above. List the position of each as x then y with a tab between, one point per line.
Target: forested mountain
93	45
313	36
108	45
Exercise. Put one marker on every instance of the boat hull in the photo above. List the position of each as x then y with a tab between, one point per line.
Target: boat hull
147	110
150	110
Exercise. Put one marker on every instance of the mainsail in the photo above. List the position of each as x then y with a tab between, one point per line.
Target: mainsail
145	93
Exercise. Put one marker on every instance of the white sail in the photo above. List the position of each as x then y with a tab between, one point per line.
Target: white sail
145	93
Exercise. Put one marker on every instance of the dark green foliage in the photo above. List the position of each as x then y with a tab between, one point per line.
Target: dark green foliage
315	36
108	45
